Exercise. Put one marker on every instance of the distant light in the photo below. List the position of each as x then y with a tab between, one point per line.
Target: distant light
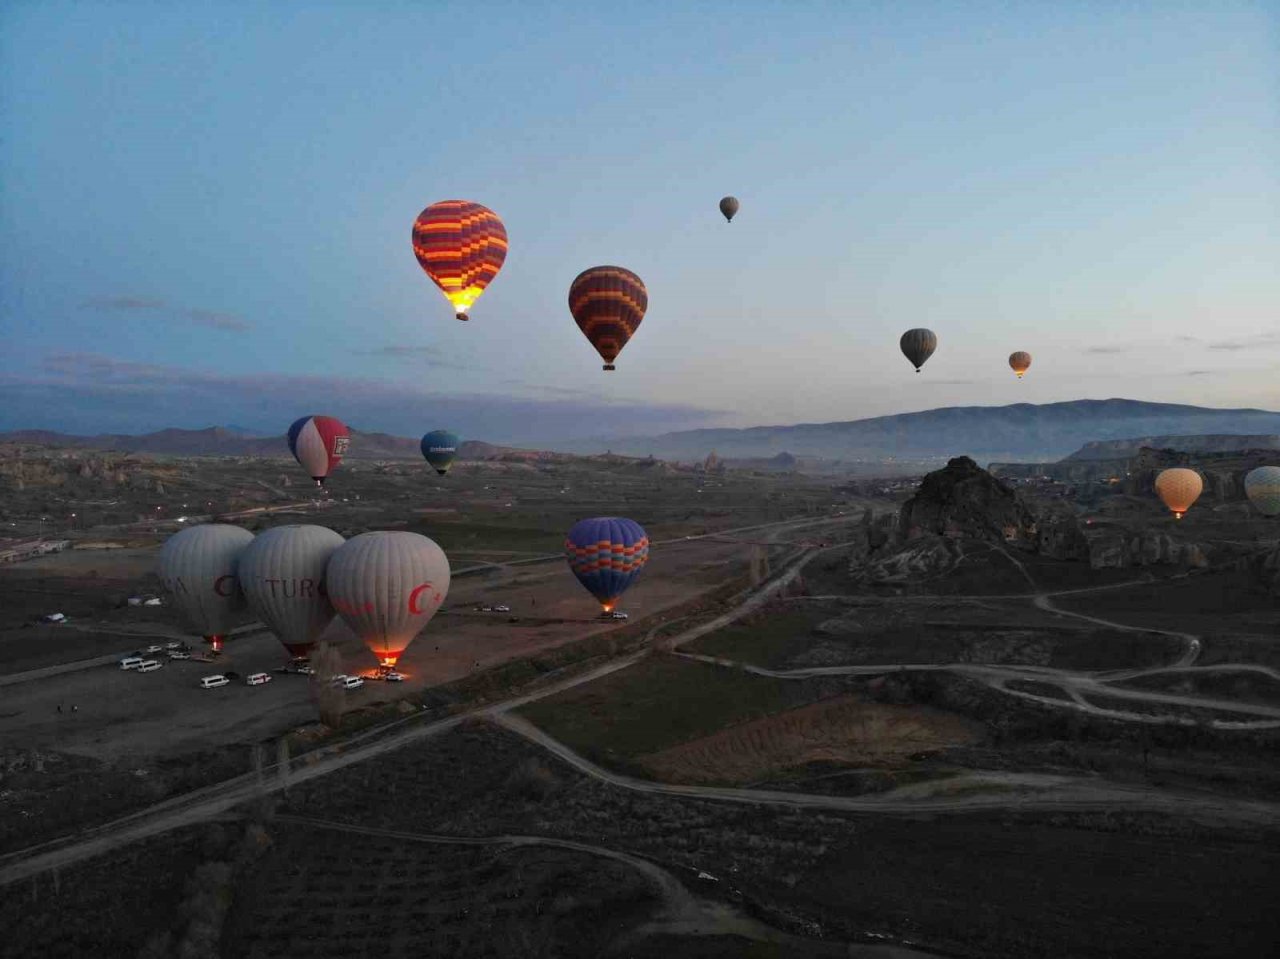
182	519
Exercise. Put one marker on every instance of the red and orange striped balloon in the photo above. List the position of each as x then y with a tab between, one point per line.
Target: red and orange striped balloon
608	302
461	245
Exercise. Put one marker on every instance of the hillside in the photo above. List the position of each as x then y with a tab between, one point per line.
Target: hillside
1216	443
220	441
1017	432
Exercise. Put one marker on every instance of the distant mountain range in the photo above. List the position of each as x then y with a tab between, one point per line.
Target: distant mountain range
1021	432
229	441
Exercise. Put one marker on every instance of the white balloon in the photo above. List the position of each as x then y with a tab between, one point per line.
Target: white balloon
198	567
282	575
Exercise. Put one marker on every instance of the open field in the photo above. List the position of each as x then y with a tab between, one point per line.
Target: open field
1146	891
842	731
832	633
1212	603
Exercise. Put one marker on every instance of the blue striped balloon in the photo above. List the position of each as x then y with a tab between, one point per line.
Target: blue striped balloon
606	554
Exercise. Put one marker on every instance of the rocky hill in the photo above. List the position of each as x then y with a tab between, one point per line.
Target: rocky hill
1212	443
963	503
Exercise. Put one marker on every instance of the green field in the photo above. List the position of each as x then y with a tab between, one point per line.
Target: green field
660	702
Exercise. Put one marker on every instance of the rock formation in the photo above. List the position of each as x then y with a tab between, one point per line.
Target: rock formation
964	500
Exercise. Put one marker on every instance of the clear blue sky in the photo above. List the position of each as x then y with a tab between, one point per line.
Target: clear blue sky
206	209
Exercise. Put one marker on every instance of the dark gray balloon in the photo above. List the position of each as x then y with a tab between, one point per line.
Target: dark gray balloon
918	345
729	207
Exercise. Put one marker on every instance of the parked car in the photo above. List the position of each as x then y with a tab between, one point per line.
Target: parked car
153	649
212	682
618	615
179	654
502	609
149	665
257	679
131	662
392	676
174	646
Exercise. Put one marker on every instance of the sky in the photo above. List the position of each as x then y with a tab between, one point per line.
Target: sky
205	209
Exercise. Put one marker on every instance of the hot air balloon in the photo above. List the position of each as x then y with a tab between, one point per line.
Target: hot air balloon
729	207
608	302
461	245
386	586
1262	486
319	443
439	449
918	345
606	554
198	567
282	575
1178	488
1020	362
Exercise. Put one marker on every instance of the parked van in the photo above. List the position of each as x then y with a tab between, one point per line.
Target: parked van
211	682
131	662
148	666
352	682
257	679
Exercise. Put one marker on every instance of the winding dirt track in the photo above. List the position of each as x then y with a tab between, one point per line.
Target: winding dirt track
682	912
997	790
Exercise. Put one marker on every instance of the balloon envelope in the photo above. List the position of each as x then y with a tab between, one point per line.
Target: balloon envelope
608	303
198	567
1020	362
729	207
282	575
606	554
1262	486
386	586
319	443
461	245
1178	488
918	345
439	449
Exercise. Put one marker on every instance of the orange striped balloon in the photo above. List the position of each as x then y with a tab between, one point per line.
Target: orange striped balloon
461	245
608	302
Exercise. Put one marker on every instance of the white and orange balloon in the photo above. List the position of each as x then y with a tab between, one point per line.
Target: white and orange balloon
199	567
386	586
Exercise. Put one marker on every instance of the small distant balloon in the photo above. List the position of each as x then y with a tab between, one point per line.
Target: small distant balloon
319	443
606	554
1262	486
918	345
1178	488
439	449
199	568
1020	362
608	303
729	207
461	245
